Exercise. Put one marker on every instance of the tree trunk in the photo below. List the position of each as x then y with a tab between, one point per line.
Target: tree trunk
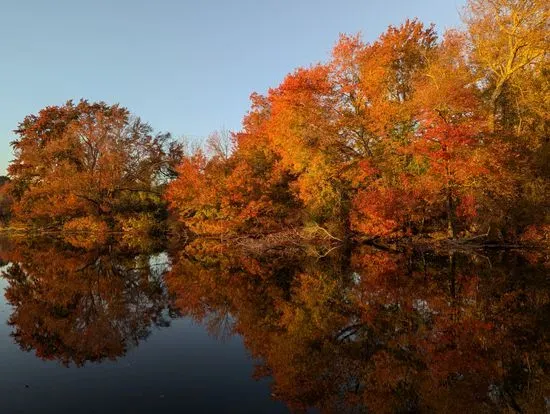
345	207
451	222
494	98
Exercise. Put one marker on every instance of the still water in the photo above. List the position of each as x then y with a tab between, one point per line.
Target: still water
134	326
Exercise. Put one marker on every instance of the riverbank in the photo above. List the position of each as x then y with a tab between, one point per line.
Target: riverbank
317	243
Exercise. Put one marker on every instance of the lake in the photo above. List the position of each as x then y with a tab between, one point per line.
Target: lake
140	326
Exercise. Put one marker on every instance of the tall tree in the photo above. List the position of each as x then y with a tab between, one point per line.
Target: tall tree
507	37
510	45
83	159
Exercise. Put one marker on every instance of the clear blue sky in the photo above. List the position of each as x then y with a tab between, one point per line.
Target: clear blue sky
187	67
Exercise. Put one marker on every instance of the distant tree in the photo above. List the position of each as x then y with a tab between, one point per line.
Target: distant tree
220	144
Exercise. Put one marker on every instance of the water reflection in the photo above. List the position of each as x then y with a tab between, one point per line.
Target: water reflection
380	332
359	331
77	304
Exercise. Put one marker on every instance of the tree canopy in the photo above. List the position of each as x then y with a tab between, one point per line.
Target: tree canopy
412	134
408	135
88	159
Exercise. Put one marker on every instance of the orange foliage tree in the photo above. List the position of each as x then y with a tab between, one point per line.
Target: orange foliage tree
87	159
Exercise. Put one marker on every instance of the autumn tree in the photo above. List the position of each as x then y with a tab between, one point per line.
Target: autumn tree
88	159
236	184
508	36
509	41
458	169
388	69
333	124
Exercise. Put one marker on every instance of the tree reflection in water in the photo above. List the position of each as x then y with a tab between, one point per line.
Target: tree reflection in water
377	331
77	304
361	330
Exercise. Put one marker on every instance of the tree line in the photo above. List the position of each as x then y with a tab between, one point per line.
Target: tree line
409	135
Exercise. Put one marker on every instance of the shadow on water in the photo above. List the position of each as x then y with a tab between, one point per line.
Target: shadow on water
364	331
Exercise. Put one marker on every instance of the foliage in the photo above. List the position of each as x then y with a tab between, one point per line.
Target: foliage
87	159
85	224
407	136
145	224
404	136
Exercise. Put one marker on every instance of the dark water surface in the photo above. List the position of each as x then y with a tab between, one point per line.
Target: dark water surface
137	327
